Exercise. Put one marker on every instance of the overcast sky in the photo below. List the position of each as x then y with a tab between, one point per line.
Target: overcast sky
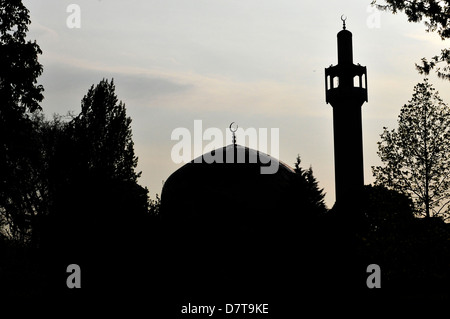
259	63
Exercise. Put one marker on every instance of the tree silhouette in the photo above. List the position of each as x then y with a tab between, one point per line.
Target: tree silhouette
386	210
416	156
154	206
92	158
310	197
20	157
19	67
437	16
97	211
413	252
103	132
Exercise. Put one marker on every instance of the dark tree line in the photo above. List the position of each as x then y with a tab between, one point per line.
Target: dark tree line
77	165
51	168
91	166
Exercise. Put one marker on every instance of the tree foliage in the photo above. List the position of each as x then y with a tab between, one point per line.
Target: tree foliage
91	159
20	95
19	67
76	173
414	252
154	206
311	197
386	210
436	16
416	155
103	133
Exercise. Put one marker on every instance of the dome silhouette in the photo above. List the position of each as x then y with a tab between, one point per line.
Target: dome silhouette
217	207
226	183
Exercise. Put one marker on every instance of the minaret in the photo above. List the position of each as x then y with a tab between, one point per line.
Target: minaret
346	91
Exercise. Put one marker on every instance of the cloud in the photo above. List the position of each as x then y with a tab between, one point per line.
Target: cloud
209	93
67	80
431	38
66	84
42	32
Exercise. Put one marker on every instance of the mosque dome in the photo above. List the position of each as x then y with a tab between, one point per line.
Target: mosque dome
232	181
212	208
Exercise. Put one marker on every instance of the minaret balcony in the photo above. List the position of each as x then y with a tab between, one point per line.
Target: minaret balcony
349	95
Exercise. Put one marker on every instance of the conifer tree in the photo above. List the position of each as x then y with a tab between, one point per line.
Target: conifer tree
311	197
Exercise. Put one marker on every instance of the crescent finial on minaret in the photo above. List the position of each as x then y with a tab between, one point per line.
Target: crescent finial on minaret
343	19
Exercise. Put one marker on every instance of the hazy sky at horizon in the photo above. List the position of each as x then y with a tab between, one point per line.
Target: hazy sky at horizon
258	63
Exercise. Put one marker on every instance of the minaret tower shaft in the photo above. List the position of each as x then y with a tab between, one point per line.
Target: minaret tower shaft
346	91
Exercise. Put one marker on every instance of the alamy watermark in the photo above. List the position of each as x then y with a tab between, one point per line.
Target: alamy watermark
73	21
374	279
374	19
74	279
257	139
